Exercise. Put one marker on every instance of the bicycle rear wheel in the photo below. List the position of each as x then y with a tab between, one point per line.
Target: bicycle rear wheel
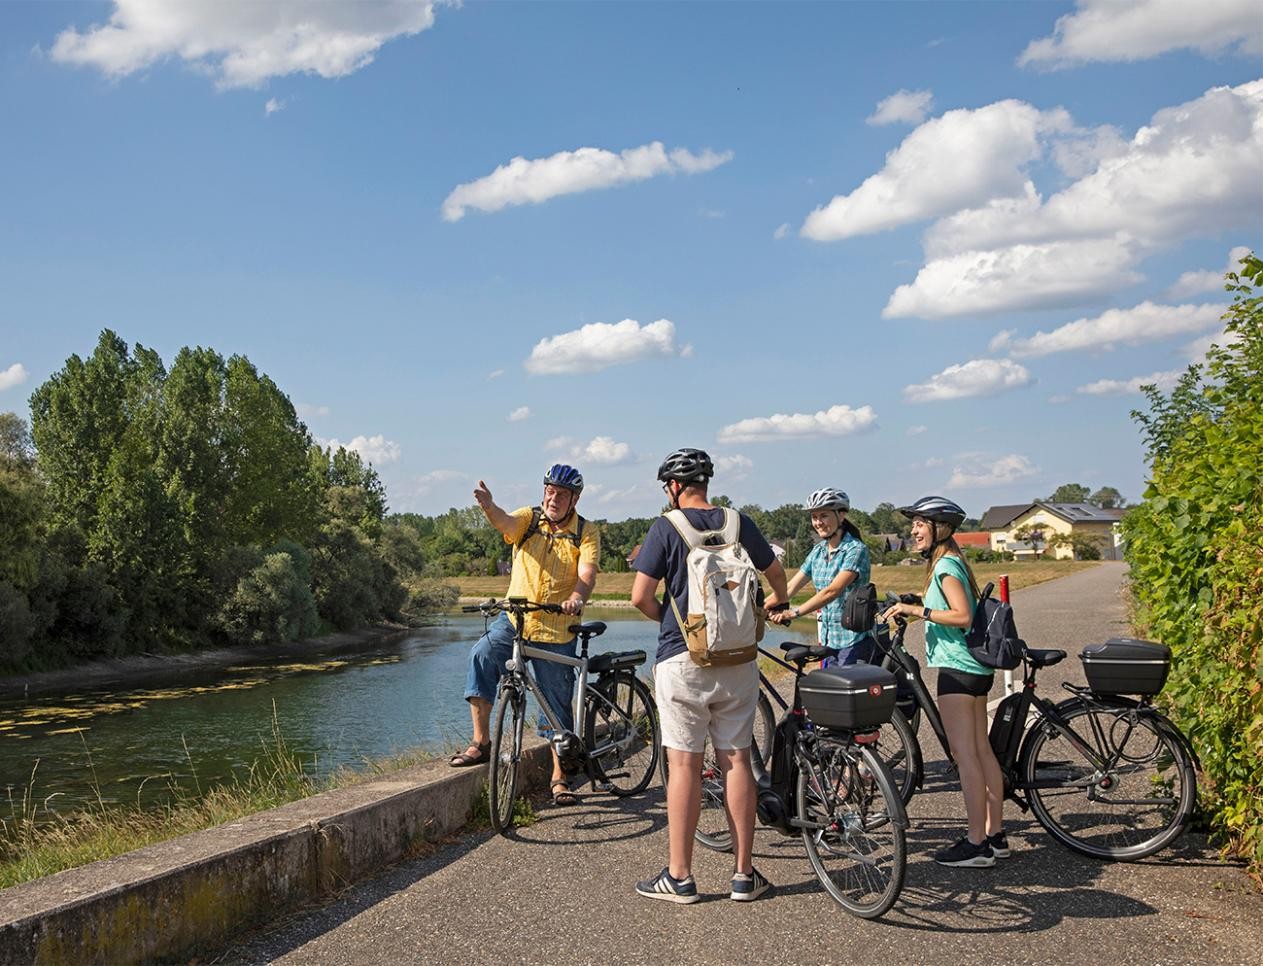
899	749
506	755
621	714
852	822
1135	807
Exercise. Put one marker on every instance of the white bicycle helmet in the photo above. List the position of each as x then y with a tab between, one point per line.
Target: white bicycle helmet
828	498
937	509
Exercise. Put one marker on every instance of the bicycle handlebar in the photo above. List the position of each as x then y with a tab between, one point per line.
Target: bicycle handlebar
513	605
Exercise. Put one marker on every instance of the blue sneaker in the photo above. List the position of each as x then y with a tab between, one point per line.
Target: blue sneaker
748	887
663	886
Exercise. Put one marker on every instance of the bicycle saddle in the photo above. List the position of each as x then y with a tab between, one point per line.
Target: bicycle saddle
795	652
1038	658
590	629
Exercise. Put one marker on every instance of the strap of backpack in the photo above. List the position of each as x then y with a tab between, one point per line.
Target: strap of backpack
730	532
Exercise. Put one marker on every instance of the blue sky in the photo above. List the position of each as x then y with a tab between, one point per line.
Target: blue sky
897	248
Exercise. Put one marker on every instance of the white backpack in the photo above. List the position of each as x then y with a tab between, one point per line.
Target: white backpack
724	625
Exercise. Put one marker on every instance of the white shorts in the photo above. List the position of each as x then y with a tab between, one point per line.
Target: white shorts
694	702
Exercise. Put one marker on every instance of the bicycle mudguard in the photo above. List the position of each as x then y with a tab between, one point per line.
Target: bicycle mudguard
1118	699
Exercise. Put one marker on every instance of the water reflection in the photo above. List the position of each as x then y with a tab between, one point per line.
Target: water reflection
205	727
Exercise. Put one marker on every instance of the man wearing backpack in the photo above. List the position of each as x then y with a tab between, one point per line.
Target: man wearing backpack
707	685
555	556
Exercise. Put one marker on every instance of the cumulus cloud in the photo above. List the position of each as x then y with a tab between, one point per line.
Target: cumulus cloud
243	44
525	181
834	421
1105	30
1196	350
15	375
1020	277
601	450
978	377
427	482
495	374
600	345
781	231
989	149
272	106
1195	283
1145	322
1165	381
519	414
978	471
902	107
375	449
734	467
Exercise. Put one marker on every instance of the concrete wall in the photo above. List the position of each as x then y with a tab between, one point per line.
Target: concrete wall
196	893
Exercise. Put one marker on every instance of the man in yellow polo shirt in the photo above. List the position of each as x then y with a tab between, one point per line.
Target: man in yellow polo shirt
555	559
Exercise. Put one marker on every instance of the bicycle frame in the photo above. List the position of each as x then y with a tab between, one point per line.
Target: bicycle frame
896	654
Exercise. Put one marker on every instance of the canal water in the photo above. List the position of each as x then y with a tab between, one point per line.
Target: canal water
139	745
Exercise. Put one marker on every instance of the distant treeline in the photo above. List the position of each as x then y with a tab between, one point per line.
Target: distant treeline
154	509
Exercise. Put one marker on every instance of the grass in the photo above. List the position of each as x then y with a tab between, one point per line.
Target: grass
894	579
36	841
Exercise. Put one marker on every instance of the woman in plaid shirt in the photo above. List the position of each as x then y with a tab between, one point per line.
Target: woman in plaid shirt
835	567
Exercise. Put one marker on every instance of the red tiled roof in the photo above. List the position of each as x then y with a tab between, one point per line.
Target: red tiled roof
974	539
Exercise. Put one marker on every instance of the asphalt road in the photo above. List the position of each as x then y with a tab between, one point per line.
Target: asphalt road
561	890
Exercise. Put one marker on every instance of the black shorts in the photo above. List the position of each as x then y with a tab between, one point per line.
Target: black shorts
951	681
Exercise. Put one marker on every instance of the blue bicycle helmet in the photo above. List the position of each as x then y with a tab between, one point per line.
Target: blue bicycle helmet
559	474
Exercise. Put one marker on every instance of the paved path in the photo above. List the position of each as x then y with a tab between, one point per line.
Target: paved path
561	891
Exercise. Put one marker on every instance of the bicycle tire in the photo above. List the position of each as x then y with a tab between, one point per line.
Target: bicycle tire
622	711
712	821
853	822
901	751
505	757
1118	817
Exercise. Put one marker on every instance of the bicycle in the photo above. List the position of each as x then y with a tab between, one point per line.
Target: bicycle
618	741
1106	775
825	782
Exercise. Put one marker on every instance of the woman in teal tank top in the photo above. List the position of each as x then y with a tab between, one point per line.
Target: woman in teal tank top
951	594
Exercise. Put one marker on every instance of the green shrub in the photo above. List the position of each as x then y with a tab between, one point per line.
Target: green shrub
1195	546
271	604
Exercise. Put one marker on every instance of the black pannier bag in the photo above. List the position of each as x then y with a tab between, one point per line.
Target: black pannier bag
854	697
1124	665
860	611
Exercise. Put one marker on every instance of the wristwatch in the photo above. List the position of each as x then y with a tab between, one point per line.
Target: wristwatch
925	612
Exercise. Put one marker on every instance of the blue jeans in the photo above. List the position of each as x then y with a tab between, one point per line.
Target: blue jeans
493	651
861	652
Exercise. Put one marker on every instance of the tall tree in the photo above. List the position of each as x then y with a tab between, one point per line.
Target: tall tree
1070	493
1107	498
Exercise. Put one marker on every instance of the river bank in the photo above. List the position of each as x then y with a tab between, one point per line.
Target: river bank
137	668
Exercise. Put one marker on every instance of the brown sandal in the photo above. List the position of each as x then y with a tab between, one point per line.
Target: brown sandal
481	756
565	796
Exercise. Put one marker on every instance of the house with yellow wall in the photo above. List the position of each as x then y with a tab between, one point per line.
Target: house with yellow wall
1040	522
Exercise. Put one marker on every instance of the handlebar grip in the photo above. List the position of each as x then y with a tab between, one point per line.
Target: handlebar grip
470	608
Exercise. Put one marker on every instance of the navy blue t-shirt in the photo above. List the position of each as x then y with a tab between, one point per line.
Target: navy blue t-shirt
665	554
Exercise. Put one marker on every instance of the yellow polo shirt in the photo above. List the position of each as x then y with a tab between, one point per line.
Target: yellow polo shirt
546	568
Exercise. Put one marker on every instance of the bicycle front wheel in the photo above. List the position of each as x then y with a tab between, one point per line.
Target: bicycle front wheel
1136	805
899	749
506	755
852	822
621	718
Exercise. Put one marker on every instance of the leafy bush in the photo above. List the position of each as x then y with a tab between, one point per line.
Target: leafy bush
1195	546
428	596
271	604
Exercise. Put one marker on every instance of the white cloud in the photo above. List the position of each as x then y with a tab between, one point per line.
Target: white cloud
601	450
781	231
917	430
522	181
375	449
272	106
600	345
834	421
1196	350
427	482
1105	30
734	467
519	414
1165	381
243	44
15	375
979	472
1194	283
978	377
902	107
1145	322
495	374
308	411
1020	277
989	149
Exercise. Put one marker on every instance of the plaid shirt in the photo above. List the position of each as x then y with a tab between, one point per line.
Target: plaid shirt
822	566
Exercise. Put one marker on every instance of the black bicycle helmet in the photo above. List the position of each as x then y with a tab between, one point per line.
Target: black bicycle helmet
828	498
686	466
559	474
938	509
